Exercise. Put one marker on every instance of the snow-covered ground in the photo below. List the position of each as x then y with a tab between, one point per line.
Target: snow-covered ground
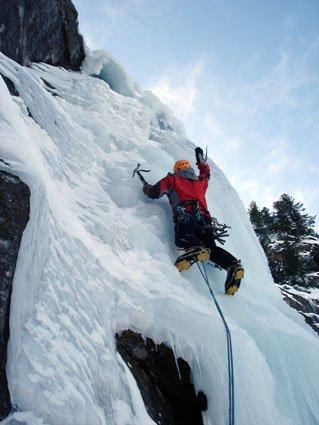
97	257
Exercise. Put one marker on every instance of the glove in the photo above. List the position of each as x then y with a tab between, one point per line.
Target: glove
146	187
199	156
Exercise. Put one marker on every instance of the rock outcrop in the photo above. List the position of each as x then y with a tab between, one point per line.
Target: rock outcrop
303	297
41	31
308	250
165	383
14	215
305	301
291	244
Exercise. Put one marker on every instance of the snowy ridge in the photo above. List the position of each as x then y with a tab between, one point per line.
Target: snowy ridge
97	257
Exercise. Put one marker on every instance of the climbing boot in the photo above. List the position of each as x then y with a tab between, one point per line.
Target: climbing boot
234	275
191	256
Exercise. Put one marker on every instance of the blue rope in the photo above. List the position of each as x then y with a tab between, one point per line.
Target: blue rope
231	384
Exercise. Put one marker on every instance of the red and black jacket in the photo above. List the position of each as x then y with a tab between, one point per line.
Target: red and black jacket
183	186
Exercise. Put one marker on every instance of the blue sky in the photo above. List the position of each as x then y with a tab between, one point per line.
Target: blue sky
243	76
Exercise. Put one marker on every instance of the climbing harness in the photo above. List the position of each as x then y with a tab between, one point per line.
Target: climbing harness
231	384
188	210
184	214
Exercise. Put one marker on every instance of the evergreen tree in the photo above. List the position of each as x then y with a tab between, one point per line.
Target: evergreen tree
255	215
262	222
277	271
285	226
294	268
290	218
267	219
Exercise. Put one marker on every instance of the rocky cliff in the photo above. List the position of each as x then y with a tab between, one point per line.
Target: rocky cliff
41	31
291	245
164	381
14	215
304	297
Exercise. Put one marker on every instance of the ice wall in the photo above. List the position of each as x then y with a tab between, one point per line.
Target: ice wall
97	257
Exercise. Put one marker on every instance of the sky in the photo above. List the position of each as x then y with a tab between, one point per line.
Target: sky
243	76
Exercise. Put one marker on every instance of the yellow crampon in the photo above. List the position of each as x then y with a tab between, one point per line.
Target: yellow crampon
203	255
185	263
238	275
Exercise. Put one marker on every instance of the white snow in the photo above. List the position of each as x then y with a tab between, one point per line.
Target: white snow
97	257
309	293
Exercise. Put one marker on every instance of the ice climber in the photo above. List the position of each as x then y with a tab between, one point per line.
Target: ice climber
193	223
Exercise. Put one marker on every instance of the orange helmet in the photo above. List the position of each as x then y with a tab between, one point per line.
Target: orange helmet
182	164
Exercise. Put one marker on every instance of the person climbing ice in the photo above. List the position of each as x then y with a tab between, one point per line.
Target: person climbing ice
194	231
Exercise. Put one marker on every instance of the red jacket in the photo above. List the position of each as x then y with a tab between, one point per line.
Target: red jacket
183	186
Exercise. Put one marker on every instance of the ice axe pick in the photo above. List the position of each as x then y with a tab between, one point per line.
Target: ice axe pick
139	172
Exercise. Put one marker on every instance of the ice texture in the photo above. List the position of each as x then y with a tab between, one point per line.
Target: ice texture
102	64
97	257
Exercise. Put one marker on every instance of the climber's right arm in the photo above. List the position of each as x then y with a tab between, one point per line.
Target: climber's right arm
162	187
204	170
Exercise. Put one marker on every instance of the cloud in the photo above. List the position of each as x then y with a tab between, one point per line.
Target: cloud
223	148
179	89
251	186
212	126
307	192
279	158
214	130
125	12
102	20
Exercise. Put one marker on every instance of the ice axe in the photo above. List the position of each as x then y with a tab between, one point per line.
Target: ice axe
139	172
200	155
206	155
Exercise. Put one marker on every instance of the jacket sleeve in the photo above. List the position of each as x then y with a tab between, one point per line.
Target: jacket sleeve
204	171
163	187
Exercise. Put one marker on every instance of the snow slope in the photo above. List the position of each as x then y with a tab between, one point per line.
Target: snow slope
97	257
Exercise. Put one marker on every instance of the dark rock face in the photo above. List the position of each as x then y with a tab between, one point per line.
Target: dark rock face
169	395
14	215
41	31
305	301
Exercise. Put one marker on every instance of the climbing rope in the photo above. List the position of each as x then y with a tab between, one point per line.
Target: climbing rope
231	391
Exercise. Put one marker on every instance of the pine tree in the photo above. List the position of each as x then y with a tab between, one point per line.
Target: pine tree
262	222
277	271
290	218
267	219
286	226
294	268
255	215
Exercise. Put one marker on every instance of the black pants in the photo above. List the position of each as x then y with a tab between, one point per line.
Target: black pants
191	232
